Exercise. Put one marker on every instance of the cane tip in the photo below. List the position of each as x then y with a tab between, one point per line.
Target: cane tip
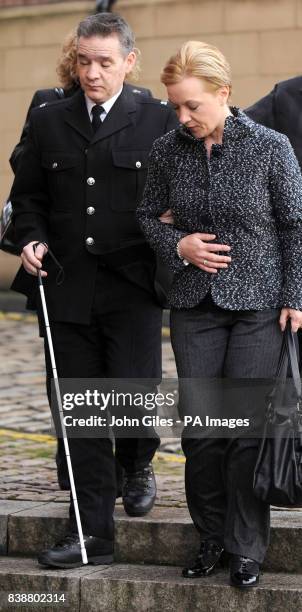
84	557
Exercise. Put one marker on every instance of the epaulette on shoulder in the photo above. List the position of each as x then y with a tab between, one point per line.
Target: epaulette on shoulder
49	104
156	101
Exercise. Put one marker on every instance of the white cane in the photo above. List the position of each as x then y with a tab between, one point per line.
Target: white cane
65	439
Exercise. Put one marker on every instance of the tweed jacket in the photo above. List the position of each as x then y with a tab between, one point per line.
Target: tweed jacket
249	194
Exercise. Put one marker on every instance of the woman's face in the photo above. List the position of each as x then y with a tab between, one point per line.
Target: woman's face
200	110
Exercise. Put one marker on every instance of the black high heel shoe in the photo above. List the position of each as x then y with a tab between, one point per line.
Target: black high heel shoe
244	572
209	557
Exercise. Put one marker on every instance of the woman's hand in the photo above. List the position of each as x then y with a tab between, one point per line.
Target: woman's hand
167	217
295	317
199	251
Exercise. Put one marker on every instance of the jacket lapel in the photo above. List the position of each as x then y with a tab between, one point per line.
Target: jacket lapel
77	117
118	117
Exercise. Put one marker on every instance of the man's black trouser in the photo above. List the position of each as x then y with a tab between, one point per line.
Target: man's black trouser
210	342
123	340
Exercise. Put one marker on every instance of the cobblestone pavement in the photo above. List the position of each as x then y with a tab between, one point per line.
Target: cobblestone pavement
27	469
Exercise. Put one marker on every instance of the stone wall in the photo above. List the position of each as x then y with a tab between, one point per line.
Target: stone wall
5	3
261	38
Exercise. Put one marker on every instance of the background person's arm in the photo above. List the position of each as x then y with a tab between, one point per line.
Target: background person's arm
18	149
28	195
264	111
41	96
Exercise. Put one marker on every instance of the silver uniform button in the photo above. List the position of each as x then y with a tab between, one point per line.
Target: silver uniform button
91	180
89	241
90	210
138	164
54	165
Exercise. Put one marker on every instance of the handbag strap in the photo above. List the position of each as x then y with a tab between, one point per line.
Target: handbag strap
283	360
288	359
293	359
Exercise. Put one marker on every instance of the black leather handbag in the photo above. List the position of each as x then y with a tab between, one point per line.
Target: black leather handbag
278	471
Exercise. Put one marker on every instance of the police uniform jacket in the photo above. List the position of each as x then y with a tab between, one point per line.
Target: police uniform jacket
43	97
78	192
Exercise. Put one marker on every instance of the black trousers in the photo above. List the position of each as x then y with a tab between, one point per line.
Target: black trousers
123	340
210	342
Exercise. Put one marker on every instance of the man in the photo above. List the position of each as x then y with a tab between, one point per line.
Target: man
77	186
66	70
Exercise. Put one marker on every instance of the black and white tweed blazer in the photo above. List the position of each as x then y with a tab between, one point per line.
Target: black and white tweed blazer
249	194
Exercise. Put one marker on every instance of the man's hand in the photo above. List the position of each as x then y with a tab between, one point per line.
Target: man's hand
32	260
295	317
167	217
198	250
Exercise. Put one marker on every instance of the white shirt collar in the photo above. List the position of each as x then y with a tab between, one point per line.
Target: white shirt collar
106	105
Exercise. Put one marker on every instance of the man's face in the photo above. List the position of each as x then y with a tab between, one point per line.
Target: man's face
102	66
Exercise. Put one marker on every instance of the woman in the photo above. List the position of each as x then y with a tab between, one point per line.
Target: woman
235	193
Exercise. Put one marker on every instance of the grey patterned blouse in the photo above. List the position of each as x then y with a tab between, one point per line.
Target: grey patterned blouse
249	194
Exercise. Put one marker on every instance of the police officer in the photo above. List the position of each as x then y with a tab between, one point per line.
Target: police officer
76	190
66	70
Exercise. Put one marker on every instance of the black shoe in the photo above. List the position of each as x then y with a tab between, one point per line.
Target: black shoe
244	572
139	491
67	553
207	560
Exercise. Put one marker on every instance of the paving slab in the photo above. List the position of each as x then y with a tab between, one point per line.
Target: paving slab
136	588
24	576
164	536
7	509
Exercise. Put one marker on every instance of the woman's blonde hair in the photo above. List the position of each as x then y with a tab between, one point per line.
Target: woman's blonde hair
67	62
198	59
